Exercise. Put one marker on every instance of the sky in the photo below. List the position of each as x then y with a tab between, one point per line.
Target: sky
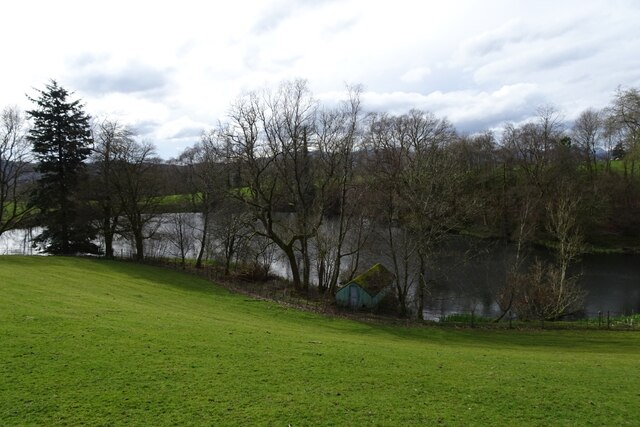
171	69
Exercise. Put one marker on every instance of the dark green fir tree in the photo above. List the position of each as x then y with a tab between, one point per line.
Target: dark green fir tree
61	139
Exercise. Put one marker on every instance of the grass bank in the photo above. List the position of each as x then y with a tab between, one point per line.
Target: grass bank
109	343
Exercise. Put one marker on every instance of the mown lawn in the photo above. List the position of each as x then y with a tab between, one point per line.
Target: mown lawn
109	343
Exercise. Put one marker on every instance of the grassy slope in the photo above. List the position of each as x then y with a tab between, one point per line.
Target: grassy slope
97	342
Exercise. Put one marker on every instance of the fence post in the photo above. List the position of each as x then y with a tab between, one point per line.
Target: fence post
608	320
472	319
600	319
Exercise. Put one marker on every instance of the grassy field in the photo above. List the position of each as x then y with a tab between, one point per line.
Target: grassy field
107	343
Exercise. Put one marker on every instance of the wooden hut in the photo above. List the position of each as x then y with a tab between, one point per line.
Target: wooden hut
366	290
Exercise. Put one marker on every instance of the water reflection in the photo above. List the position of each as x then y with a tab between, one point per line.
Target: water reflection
464	277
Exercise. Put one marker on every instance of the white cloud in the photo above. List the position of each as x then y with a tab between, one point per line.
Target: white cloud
415	75
463	107
170	68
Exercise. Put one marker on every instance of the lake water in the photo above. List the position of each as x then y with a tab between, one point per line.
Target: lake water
459	284
612	283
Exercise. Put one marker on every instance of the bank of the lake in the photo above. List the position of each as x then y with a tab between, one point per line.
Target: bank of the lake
464	279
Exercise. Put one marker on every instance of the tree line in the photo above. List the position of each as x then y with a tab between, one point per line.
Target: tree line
285	175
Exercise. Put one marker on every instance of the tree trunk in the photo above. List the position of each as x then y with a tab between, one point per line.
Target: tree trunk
108	228
203	240
139	245
422	283
227	265
229	251
293	264
108	240
322	287
306	264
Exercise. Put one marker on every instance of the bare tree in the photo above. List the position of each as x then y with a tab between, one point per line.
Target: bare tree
271	140
625	112
624	126
206	173
230	225
418	181
259	253
431	187
180	234
339	137
338	244
137	186
386	161
544	290
545	296
562	225
587	132
109	139
612	138
622	135
477	159
511	290
14	156
536	146
543	166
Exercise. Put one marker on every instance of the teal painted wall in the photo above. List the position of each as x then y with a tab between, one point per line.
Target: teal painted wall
352	295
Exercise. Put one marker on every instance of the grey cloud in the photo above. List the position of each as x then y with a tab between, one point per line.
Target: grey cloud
495	44
514	33
253	60
273	17
280	11
188	132
92	75
87	59
498	119
146	127
567	55
129	80
469	110
280	64
340	26
495	120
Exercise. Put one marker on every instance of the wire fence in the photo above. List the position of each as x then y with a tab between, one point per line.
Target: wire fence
601	320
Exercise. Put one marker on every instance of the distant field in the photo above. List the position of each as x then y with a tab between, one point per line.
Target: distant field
107	343
173	202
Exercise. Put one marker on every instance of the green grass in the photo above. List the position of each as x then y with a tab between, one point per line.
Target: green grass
174	199
174	202
105	343
465	318
23	210
629	322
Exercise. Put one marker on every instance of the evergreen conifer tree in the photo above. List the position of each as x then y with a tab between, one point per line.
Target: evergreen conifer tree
61	139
